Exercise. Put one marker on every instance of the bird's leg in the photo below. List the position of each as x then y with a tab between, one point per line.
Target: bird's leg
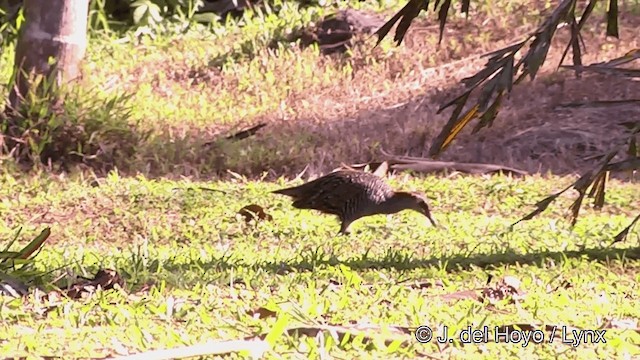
344	227
344	232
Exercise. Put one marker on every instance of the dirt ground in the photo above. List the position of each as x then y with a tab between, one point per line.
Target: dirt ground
540	128
392	107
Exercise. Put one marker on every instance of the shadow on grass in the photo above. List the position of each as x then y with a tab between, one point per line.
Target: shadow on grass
551	124
527	141
535	131
398	261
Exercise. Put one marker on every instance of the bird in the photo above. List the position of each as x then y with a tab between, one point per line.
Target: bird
353	194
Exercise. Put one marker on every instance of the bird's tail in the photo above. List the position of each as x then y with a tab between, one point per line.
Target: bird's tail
288	192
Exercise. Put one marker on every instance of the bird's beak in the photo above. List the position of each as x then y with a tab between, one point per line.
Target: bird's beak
427	213
431	220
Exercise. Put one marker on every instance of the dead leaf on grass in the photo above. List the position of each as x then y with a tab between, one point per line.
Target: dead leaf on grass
425	284
626	324
239	135
563	285
52	297
382	170
210	348
254	212
622	235
246	133
236	176
415	284
146	287
262	313
104	279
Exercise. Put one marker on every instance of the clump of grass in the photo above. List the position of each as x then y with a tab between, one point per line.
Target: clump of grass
17	267
69	125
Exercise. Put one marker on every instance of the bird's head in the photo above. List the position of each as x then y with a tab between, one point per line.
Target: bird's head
415	201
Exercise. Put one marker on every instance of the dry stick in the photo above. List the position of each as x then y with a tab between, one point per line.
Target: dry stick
255	347
299	176
470	168
246	133
599	103
428	166
240	135
200	188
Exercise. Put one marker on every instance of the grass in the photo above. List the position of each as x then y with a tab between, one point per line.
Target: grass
199	85
196	271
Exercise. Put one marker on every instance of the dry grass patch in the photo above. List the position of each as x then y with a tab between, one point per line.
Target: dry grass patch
323	110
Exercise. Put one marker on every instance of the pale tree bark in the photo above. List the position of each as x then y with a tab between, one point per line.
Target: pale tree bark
53	29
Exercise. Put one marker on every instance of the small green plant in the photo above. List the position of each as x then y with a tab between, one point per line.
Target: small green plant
54	124
26	253
16	267
11	18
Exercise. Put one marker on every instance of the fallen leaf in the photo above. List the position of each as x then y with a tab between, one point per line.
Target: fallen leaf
368	332
254	212
13	287
563	285
425	284
261	313
146	287
246	133
104	279
379	169
382	169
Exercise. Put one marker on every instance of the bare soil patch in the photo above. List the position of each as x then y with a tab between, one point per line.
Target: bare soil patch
534	130
394	108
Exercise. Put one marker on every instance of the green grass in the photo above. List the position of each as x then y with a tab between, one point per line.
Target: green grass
195	271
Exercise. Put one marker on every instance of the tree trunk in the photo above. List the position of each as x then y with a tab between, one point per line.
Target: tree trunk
53	29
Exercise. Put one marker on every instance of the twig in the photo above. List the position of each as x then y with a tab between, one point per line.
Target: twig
299	176
200	188
599	103
431	166
239	135
246	133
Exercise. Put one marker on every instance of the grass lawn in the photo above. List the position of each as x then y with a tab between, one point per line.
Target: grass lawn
196	271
